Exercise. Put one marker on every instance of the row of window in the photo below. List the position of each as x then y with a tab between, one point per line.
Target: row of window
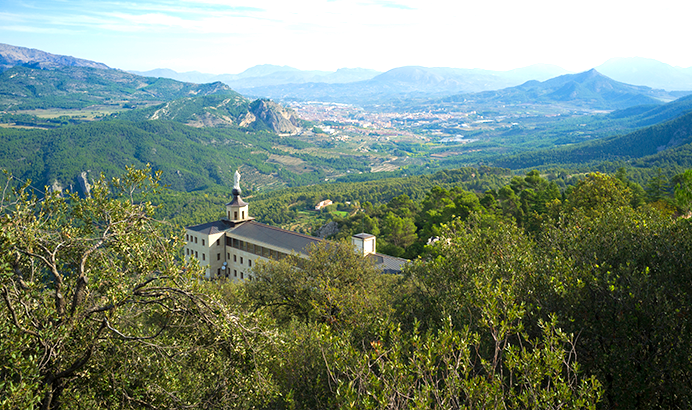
190	252
235	274
193	239
235	259
255	249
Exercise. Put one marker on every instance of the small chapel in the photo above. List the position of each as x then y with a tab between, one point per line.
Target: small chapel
229	248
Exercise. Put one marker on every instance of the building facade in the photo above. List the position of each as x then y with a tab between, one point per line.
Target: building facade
230	247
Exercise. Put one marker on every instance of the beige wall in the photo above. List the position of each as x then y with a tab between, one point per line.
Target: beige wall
204	248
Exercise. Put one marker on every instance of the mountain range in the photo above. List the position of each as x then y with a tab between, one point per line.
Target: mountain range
362	85
588	90
365	86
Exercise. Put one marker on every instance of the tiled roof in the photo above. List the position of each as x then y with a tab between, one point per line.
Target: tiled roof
211	228
364	235
389	264
237	201
276	238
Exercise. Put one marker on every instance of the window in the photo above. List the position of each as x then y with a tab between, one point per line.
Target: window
249	262
187	251
235	258
196	255
235	273
187	237
243	214
218	272
235	215
241	260
202	242
218	242
204	257
218	256
195	239
228	255
241	275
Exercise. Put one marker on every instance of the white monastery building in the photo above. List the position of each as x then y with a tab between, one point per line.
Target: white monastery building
230	247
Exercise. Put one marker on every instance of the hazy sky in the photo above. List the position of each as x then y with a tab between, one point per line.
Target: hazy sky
229	36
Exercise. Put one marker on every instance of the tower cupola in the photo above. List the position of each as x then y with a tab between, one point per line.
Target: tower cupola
237	209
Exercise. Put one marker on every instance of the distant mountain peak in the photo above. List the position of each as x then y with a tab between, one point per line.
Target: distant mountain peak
12	56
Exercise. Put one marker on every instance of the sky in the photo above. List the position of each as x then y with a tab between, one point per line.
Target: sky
229	36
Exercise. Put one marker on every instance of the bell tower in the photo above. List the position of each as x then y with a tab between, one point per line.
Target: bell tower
237	209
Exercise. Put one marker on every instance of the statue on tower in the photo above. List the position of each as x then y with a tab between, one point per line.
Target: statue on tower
236	182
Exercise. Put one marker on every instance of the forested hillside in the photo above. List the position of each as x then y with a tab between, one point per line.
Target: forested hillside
24	88
189	158
664	137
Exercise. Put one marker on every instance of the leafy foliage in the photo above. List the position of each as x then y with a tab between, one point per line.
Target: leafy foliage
101	312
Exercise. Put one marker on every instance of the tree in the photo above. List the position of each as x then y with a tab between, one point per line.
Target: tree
683	190
656	187
399	231
480	287
598	190
333	285
97	296
623	282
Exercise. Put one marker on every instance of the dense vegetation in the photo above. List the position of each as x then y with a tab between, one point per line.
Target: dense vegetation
189	158
574	299
639	144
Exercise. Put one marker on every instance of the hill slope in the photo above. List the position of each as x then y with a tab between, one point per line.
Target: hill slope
222	110
190	158
12	56
78	87
653	140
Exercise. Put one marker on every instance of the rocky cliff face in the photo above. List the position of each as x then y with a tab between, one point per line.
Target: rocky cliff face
279	119
84	184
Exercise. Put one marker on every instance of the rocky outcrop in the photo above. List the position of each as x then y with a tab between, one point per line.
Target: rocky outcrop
84	184
277	118
56	187
328	229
